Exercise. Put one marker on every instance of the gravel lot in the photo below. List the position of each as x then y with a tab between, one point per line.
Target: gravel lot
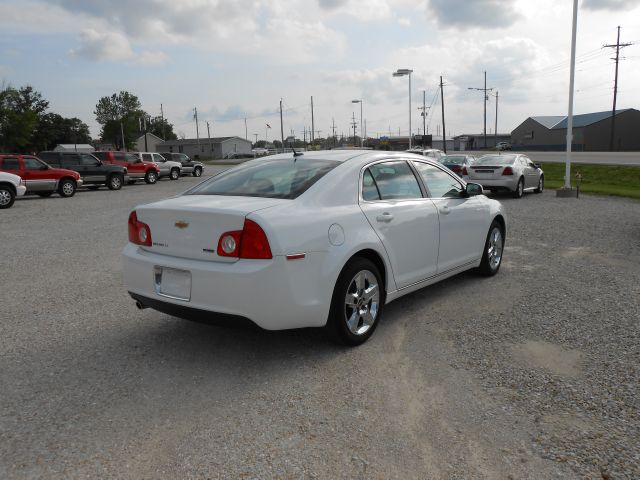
533	373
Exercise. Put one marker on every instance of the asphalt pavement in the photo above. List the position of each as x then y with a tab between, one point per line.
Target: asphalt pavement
532	373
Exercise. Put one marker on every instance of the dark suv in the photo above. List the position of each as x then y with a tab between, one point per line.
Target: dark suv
93	172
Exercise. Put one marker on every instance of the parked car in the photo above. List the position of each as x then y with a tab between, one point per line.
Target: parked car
93	172
514	173
317	239
428	152
40	178
459	164
11	186
137	168
238	156
168	168
189	166
503	146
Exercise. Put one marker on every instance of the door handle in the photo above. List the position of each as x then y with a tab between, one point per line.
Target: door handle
445	210
386	217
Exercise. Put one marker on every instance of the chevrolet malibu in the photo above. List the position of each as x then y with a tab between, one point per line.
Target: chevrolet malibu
323	239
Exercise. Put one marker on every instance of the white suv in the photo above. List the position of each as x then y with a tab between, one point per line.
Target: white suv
168	168
11	186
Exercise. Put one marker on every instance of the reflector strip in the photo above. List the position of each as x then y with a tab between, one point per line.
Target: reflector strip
296	256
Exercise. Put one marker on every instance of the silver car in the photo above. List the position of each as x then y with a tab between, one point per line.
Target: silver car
189	166
168	168
509	172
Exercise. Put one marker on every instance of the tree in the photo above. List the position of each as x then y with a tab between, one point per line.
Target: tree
54	129
117	113
156	128
20	112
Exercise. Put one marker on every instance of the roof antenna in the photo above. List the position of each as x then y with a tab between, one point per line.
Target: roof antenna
296	154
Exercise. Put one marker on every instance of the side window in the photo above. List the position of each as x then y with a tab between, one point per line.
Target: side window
101	155
10	164
31	163
158	158
119	156
70	160
369	189
439	183
147	157
395	181
87	160
184	158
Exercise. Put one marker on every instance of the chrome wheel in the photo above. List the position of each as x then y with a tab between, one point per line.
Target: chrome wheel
151	177
362	302
494	248
5	197
116	183
68	189
197	172
174	174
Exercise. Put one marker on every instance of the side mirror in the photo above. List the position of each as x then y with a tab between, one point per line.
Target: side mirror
537	165
474	189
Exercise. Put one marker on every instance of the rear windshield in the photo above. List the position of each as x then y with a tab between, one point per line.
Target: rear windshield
453	159
495	160
283	178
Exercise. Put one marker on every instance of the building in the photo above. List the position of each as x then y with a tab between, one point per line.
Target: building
204	148
591	132
475	141
74	147
152	143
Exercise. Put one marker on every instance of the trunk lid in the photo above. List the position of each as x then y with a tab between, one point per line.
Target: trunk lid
486	171
190	226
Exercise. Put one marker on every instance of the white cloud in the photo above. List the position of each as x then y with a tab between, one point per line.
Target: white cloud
96	45
620	5
484	14
152	57
404	21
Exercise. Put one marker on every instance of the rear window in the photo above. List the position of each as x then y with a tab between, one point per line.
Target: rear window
456	159
495	160
100	155
49	157
285	178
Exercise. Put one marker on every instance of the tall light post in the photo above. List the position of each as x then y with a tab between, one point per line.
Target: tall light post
361	130
401	72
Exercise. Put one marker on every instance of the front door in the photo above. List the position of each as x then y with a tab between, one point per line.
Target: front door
405	221
37	176
462	219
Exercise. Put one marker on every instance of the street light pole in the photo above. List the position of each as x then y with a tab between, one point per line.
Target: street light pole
401	72
361	130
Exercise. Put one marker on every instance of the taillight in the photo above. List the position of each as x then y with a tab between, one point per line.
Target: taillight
464	171
251	242
507	171
139	232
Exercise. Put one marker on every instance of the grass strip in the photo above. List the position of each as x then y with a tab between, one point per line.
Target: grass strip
619	181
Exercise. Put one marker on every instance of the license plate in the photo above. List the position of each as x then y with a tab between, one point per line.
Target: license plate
173	283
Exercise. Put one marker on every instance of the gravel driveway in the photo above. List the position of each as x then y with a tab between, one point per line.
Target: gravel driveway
533	373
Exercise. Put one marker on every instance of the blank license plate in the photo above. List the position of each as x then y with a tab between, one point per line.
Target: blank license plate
174	283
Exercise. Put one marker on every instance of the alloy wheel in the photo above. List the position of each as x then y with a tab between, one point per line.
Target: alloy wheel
5	197
494	248
362	302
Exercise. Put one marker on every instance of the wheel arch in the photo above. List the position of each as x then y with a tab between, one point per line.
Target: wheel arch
503	224
374	257
11	186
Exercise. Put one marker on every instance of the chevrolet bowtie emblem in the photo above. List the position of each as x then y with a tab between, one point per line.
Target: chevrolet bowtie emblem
181	224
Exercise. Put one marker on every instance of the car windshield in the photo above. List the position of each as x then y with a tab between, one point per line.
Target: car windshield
453	159
495	160
282	178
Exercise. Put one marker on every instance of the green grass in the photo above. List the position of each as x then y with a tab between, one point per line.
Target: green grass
597	179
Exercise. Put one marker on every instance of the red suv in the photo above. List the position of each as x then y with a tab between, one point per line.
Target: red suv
137	168
39	177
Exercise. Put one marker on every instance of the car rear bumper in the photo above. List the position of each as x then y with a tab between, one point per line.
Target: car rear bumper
274	294
506	184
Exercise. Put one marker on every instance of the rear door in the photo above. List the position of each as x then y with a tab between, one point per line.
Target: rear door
405	221
530	172
462	219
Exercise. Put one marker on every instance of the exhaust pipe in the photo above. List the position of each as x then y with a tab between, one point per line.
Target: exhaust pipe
140	305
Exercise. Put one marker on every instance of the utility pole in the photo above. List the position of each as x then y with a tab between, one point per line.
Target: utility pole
333	130
444	137
209	137
245	128
195	115
304	132
484	91
146	147
255	135
312	124
495	134
281	127
424	109
124	149
354	124
617	46
162	117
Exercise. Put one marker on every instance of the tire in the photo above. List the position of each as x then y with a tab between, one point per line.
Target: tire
7	197
174	174
115	182
354	322
493	250
519	192
151	177
540	185
67	188
44	194
197	172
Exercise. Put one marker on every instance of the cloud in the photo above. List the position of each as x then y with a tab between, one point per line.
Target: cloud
622	5
152	58
404	21
485	14
96	45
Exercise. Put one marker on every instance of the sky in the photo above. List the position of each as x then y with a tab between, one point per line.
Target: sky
237	59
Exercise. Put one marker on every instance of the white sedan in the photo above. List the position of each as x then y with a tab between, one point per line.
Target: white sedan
321	239
11	186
